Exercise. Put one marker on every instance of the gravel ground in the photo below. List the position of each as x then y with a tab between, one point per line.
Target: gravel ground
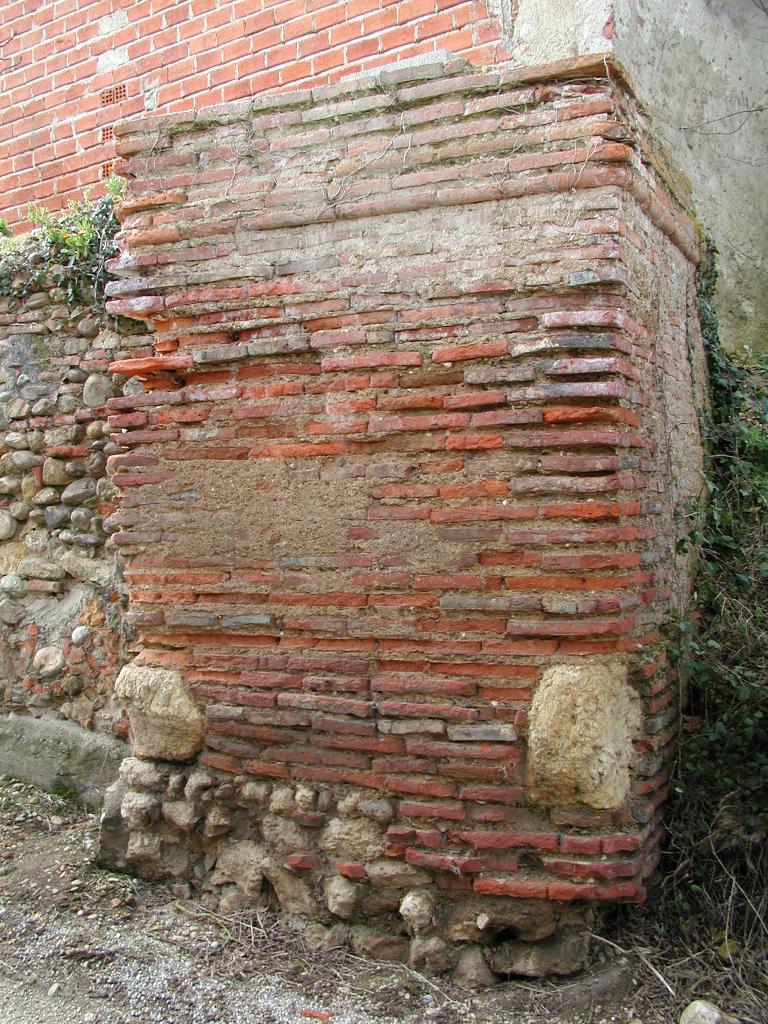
79	945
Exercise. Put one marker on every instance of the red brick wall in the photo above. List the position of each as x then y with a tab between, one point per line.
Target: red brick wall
56	112
418	426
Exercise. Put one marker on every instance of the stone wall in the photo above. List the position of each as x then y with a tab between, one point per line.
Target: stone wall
62	639
400	505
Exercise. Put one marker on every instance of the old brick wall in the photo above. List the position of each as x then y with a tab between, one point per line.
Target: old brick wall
71	68
400	503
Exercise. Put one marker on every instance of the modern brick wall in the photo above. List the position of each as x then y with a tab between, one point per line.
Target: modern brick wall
418	429
71	68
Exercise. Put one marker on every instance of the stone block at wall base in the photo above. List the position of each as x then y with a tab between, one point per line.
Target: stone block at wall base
60	757
113	833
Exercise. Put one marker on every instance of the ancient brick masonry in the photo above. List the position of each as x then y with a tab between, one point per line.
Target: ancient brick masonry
399	505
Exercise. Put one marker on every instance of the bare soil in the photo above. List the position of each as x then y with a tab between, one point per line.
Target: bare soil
80	945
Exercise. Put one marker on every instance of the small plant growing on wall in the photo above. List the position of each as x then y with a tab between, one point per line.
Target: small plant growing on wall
69	249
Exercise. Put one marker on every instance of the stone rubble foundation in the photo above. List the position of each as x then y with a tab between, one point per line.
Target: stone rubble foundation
62	631
334	867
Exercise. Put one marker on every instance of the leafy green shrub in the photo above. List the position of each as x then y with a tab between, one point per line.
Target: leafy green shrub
68	250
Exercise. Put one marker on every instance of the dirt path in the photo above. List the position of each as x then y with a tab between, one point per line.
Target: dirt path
79	945
20	1006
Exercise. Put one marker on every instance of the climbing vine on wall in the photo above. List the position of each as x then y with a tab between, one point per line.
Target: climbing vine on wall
69	249
725	654
713	901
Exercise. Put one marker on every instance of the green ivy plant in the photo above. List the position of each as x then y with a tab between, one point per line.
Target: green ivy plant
68	250
711	907
723	766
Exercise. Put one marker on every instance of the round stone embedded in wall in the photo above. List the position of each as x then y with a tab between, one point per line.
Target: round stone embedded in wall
472	972
97	391
19	510
80	634
133	386
7	525
36	440
13	585
16	439
88	327
55	473
44	496
25	460
417	909
32	567
79	491
56	516
82	518
96	466
43	407
10	485
49	661
10	612
17	409
67	404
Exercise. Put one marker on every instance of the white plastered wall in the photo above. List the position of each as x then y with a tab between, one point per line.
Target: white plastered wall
701	68
542	31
